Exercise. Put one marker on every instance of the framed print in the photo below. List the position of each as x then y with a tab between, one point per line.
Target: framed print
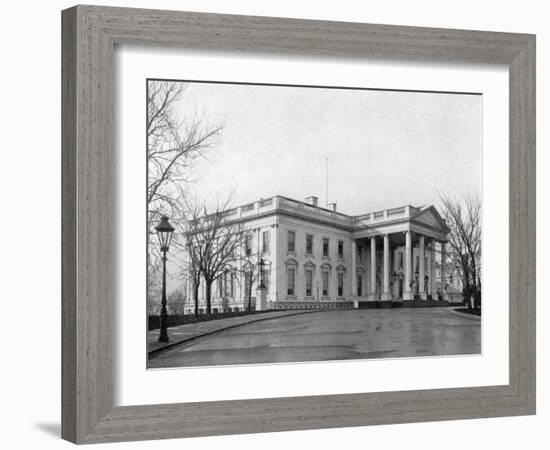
277	224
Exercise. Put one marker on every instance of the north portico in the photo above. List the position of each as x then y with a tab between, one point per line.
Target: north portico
318	257
402	246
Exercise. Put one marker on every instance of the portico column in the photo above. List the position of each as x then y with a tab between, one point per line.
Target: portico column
407	294
432	272
372	268
354	272
386	294
444	271
421	269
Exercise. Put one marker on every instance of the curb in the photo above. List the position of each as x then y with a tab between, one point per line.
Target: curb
469	316
208	333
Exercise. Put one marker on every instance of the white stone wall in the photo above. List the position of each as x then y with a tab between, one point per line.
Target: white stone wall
280	215
239	300
299	257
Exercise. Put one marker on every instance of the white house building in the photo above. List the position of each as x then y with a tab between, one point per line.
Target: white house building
319	257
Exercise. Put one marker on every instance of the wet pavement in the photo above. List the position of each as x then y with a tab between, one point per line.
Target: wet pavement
187	332
332	335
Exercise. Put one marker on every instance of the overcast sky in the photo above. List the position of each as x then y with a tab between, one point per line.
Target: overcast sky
384	148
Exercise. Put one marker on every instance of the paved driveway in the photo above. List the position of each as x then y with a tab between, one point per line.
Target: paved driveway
332	335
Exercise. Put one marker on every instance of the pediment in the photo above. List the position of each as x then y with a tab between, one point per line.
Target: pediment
430	216
291	262
340	268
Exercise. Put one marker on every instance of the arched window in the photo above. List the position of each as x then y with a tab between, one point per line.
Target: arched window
309	272
291	266
325	279
229	279
267	273
340	284
340	274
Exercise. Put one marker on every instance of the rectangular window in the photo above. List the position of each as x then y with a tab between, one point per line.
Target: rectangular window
291	241
325	246
309	283
248	244
226	283
290	275
265	242
266	279
360	253
309	244
340	284
340	249
325	283
401	260
359	285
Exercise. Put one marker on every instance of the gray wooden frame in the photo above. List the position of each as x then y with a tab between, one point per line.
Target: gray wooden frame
89	36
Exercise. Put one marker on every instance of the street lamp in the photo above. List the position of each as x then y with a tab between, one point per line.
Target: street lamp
164	232
261	264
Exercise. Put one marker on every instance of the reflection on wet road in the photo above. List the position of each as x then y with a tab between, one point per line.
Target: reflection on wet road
333	335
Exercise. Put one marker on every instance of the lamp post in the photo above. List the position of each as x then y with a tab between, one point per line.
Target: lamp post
164	232
261	297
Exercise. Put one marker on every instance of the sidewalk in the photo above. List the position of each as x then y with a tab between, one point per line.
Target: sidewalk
187	332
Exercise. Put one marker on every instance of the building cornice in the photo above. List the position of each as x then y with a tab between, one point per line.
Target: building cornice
287	207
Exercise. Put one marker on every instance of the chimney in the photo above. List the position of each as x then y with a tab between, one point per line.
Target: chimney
332	206
312	200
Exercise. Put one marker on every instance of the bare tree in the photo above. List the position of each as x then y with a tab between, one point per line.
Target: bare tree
463	218
213	242
173	143
194	249
154	279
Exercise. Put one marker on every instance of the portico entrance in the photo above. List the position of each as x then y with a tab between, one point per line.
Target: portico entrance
399	255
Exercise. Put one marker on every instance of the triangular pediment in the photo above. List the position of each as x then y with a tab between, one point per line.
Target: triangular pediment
430	216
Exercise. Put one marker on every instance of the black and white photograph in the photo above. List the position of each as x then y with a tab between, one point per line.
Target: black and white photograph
275	225
290	224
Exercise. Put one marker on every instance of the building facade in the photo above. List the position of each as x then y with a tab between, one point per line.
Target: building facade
319	257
